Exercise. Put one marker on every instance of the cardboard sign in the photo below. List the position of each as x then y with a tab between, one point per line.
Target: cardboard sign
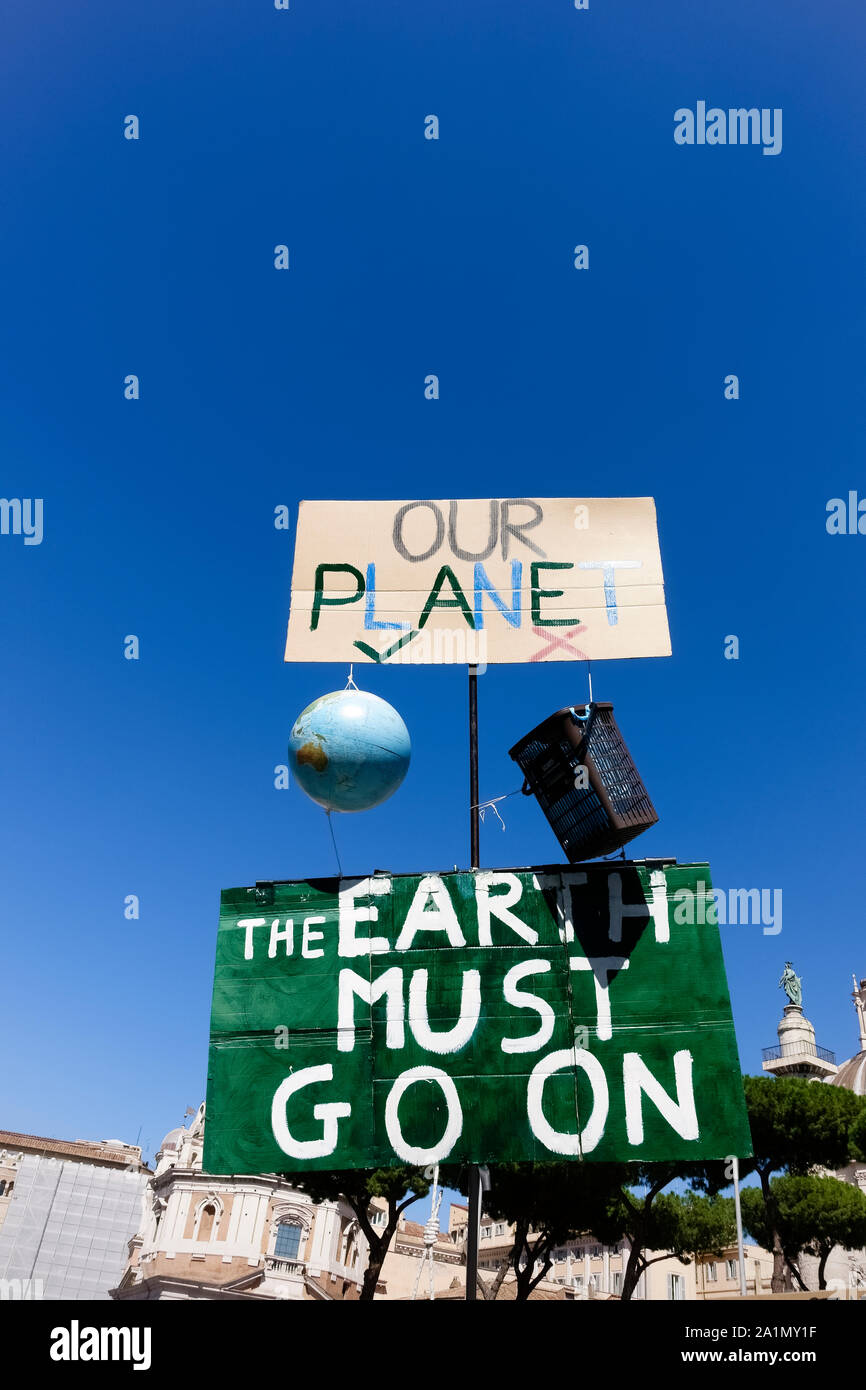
513	579
475	1016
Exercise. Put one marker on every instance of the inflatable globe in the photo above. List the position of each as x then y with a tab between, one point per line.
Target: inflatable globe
349	750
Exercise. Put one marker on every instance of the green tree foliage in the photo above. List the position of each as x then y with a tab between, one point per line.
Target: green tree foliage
546	1203
656	1220
549	1202
634	1214
399	1187
814	1215
797	1125
691	1224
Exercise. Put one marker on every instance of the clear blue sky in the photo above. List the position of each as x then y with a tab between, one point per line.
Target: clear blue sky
258	388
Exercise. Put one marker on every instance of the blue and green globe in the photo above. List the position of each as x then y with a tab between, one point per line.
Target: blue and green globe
349	750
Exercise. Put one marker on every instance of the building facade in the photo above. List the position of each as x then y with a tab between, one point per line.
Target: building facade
240	1236
852	1073
67	1211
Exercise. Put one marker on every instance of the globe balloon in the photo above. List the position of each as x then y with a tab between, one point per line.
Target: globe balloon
349	751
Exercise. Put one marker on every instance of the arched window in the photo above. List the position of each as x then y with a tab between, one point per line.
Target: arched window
288	1241
206	1222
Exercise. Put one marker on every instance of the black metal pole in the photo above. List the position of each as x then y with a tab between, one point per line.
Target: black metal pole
474	854
474	1227
473	768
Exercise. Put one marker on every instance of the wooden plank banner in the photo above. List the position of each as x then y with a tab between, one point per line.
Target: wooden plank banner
472	1016
515	579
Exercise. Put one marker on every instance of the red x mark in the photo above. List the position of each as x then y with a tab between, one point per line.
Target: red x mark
559	641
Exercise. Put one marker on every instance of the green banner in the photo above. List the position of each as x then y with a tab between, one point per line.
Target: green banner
480	1016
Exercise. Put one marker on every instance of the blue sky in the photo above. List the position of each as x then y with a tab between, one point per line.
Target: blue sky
259	388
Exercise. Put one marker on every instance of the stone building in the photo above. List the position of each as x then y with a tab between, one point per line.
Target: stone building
67	1210
239	1236
852	1073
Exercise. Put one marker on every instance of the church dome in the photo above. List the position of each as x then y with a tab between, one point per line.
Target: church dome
852	1074
172	1140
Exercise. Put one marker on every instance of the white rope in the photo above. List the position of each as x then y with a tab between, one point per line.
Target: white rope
431	1235
491	806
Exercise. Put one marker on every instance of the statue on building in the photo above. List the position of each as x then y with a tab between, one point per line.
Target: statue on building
792	985
859	997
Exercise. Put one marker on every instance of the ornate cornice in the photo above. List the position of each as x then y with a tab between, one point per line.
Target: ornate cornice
294	1212
193	1178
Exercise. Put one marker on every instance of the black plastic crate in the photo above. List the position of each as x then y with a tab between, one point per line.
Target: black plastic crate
612	809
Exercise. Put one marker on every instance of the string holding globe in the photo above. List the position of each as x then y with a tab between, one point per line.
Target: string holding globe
349	750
